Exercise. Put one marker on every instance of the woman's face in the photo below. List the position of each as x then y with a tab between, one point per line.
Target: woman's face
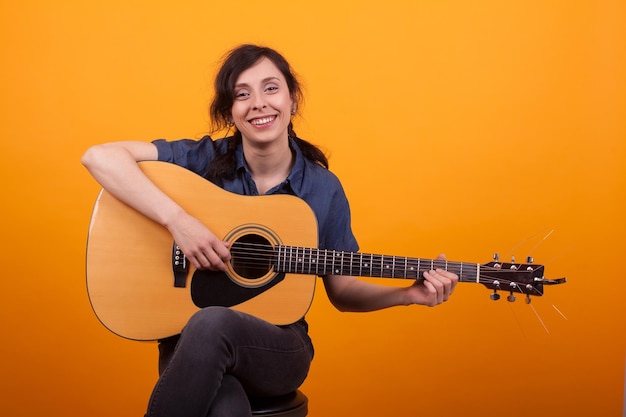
263	106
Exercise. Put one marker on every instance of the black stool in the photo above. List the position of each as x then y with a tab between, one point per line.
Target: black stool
294	404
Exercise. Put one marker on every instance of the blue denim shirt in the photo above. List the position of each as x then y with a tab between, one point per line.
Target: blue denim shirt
316	185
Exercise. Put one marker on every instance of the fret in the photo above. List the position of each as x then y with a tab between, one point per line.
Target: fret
308	259
278	268
406	264
383	266
296	259
360	264
351	262
290	258
410	268
315	261
341	268
300	255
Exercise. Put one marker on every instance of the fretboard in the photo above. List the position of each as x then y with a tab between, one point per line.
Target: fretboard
297	260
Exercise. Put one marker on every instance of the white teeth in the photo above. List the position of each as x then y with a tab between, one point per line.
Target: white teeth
262	121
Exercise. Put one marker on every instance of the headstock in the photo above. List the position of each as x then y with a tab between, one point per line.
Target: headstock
525	278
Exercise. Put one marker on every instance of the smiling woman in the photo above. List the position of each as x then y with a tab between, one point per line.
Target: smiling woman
224	355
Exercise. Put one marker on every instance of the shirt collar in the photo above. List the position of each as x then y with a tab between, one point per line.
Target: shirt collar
296	175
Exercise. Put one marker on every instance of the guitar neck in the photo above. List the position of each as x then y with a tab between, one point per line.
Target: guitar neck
298	260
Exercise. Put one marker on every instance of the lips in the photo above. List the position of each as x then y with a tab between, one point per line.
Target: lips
261	121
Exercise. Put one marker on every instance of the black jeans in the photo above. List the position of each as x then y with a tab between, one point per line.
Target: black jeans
224	356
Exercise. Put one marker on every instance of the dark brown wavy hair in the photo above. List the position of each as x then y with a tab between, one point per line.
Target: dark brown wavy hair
235	62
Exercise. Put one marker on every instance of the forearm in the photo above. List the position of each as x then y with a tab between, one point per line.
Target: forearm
115	167
352	294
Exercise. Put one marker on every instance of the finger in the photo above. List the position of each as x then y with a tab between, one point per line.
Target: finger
434	281
222	250
206	259
448	279
431	299
200	261
217	262
444	281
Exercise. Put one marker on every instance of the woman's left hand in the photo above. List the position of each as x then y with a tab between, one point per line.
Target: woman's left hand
436	287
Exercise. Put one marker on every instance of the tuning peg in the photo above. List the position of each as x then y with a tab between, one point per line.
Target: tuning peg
496	257
530	260
511	297
528	299
496	286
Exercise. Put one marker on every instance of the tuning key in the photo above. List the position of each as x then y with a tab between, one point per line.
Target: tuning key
530	259
496	286
496	257
511	297
528	299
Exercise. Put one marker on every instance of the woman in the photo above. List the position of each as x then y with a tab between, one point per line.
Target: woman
222	355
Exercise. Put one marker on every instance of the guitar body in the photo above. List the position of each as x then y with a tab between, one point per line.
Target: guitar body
130	278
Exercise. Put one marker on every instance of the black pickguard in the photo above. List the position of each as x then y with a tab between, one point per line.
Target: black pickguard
211	288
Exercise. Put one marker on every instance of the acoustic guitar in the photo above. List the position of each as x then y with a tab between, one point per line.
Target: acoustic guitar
141	286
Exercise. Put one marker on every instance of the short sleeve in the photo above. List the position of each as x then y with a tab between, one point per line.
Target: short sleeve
194	155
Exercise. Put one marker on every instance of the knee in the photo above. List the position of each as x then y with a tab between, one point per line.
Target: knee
211	320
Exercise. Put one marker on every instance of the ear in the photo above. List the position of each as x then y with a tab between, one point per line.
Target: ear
294	105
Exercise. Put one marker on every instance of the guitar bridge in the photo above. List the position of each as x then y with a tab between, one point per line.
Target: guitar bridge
180	267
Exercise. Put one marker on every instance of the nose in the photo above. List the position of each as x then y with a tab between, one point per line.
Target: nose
259	102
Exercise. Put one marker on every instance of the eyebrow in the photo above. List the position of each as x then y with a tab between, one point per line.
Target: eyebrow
264	80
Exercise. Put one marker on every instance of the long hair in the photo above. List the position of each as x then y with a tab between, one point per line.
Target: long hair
235	62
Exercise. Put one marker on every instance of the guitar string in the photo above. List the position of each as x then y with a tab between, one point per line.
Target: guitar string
259	253
247	255
271	251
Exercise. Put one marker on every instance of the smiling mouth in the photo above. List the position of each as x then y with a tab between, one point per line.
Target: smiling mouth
263	120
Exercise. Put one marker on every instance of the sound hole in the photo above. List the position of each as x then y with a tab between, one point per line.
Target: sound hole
252	256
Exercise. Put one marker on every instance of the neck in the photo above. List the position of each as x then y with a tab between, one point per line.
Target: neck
269	163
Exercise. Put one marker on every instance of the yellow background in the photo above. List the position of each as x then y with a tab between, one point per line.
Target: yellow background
457	127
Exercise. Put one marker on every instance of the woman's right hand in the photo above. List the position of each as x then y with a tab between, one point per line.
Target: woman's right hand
201	247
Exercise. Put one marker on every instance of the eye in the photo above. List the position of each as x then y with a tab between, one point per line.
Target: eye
241	94
271	89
